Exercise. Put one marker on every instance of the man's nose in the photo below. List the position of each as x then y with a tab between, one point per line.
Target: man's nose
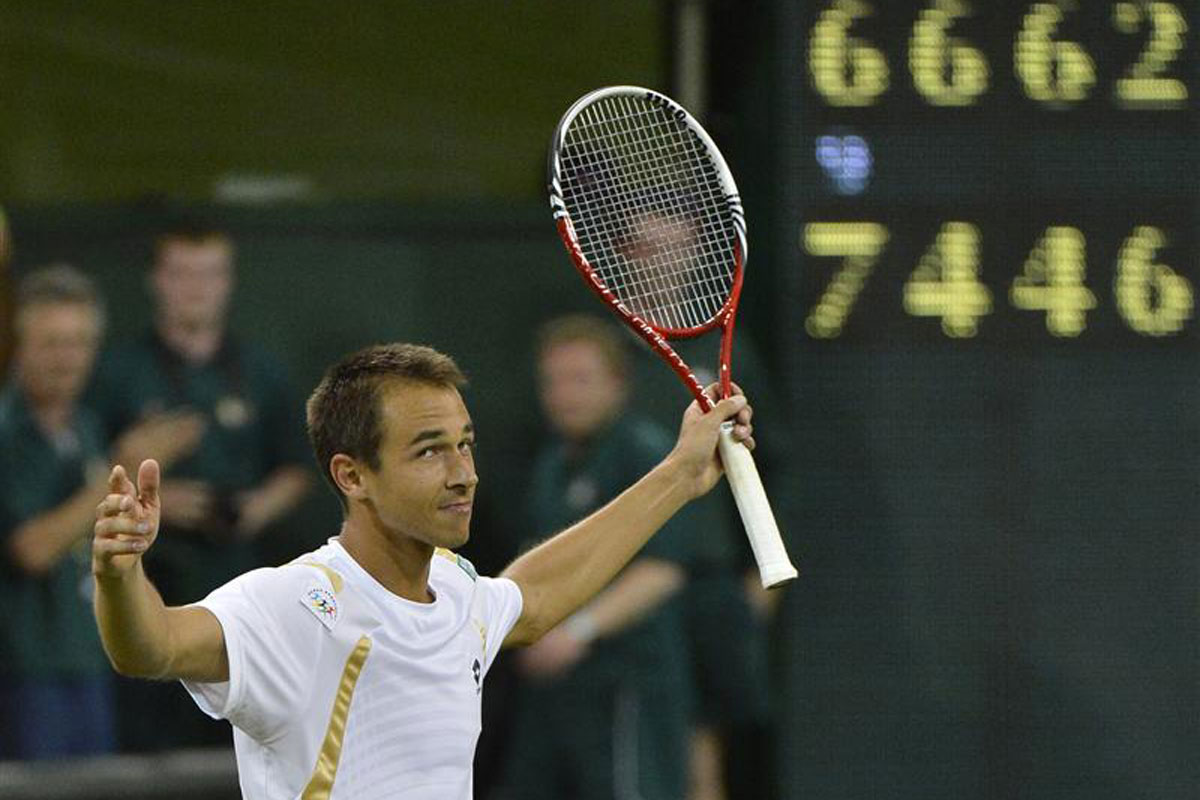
463	472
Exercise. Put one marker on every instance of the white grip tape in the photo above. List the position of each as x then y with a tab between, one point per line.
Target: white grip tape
774	566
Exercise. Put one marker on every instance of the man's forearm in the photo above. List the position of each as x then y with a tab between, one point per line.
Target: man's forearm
565	572
133	624
640	589
282	490
39	544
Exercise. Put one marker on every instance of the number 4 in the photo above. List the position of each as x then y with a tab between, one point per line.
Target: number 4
1053	282
946	282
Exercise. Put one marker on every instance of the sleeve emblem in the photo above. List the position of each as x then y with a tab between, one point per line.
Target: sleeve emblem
323	605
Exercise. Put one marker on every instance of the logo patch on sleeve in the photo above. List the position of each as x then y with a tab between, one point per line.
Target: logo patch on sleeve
323	605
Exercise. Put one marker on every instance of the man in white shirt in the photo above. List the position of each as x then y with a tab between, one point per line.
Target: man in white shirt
356	670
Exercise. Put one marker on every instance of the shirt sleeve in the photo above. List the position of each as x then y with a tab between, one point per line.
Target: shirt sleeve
271	643
503	603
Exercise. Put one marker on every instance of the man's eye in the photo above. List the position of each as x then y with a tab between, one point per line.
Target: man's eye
428	452
467	447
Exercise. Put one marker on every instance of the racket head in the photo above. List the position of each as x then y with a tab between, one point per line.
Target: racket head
649	211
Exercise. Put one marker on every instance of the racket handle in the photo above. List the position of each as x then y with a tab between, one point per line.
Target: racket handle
774	567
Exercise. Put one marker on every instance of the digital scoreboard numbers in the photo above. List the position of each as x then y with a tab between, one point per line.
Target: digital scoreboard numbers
986	222
947	67
1003	172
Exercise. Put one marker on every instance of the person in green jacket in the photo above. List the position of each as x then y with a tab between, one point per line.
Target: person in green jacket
603	710
55	690
245	471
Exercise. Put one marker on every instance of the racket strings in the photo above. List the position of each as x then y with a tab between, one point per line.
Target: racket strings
649	210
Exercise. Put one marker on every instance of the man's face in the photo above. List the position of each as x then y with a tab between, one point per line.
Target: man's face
56	348
192	282
425	485
580	390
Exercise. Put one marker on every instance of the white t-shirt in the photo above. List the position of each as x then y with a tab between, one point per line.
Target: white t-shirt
340	689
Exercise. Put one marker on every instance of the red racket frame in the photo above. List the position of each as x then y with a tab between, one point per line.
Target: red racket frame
658	338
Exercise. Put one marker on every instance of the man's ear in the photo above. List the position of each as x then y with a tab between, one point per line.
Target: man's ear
347	475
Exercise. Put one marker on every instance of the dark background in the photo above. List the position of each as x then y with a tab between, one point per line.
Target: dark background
998	531
996	534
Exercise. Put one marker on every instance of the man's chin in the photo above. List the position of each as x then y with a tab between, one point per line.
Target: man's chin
457	539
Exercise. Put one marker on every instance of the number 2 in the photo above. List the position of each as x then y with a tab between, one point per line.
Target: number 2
1143	85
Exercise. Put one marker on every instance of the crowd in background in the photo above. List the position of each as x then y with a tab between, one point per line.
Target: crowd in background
214	409
659	685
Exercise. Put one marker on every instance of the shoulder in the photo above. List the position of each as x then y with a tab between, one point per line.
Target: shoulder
453	573
266	585
450	563
276	592
477	593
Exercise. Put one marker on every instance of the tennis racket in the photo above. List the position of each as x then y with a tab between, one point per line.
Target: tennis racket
652	220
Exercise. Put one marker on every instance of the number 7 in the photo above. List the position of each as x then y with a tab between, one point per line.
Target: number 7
859	244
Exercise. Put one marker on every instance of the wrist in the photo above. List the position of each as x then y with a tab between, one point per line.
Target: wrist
678	482
108	574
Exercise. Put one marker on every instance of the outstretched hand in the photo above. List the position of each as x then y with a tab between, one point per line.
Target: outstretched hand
696	449
126	520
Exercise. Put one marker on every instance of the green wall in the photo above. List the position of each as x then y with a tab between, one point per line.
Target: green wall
410	99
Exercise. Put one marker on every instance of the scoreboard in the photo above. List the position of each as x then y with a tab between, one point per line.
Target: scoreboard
1009	172
982	224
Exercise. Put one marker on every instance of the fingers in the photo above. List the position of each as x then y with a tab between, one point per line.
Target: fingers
120	529
106	547
121	499
734	407
713	392
149	479
118	481
113	505
121	525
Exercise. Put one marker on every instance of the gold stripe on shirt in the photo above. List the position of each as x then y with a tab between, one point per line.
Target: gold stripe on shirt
334	577
320	785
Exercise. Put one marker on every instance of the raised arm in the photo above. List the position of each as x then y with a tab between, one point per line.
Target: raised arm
559	576
142	636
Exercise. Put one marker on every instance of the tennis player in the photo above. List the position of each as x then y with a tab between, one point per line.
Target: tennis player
356	670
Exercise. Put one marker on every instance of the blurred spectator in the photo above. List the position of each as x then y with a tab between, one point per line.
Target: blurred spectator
603	709
56	690
725	607
246	471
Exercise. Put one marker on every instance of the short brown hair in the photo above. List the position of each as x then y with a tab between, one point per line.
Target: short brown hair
608	337
343	412
58	284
